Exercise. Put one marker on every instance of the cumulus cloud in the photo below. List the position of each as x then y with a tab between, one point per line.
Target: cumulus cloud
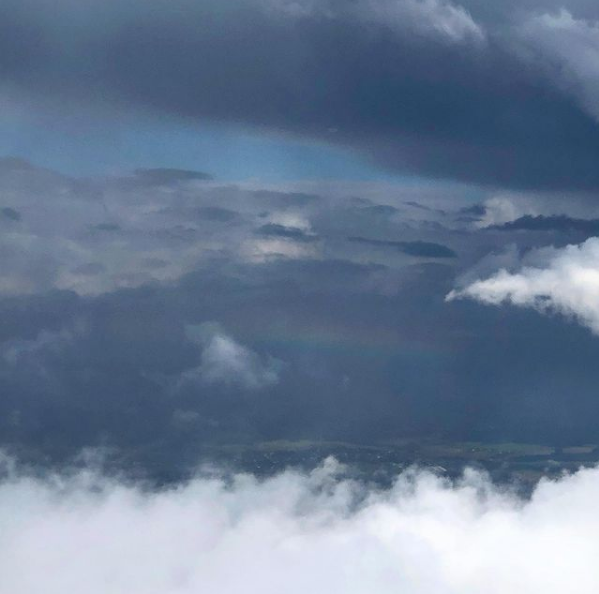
561	280
298	533
225	361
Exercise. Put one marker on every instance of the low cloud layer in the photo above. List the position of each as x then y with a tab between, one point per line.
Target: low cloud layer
564	281
298	533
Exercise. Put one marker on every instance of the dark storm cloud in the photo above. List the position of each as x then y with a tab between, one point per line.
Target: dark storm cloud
560	223
475	92
422	249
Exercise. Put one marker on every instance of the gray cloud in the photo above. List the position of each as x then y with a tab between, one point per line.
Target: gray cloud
166	176
476	211
560	223
411	248
122	235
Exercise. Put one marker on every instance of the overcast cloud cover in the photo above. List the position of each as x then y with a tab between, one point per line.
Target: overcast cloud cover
440	281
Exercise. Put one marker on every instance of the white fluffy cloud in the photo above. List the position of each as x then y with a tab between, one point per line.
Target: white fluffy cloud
225	361
564	281
297	534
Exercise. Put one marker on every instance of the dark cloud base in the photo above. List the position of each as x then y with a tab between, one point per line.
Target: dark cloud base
411	248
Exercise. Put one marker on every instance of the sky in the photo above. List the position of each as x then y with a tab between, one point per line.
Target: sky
270	219
243	221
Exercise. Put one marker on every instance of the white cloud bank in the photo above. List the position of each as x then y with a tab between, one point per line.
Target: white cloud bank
298	534
561	280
